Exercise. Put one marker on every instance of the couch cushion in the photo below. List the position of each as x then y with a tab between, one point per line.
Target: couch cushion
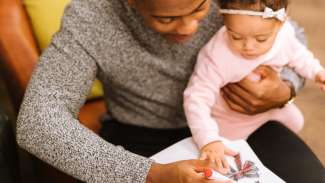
45	16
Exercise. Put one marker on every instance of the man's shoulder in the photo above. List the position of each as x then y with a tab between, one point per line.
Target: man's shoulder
90	16
92	9
93	13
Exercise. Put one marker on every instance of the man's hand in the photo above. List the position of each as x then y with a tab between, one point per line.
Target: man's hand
188	171
251	96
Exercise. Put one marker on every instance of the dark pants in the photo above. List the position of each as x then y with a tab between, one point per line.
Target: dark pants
9	171
279	149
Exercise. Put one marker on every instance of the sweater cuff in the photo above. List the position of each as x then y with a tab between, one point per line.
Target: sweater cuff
296	80
135	169
205	138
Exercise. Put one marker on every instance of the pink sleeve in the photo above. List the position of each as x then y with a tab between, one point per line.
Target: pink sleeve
301	59
200	96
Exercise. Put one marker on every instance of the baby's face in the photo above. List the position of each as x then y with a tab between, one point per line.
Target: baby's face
251	36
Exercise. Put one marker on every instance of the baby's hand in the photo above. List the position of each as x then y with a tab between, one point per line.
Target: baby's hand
320	78
215	152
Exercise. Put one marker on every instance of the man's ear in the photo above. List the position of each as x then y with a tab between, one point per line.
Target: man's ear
131	3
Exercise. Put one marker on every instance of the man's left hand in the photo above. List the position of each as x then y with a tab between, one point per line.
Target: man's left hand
255	96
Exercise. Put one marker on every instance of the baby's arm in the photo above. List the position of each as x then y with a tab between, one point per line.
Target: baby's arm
307	66
199	98
301	59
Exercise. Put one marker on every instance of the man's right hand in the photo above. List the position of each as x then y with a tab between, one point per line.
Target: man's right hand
188	171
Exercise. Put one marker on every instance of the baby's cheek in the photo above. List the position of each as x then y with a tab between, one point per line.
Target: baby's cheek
265	49
236	46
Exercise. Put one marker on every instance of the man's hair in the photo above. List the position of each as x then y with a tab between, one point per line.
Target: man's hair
257	5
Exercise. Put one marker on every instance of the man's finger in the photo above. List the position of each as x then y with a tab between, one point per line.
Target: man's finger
251	85
264	70
248	85
237	102
200	169
233	105
199	177
235	90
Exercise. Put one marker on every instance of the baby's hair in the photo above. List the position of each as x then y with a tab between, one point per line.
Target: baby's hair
256	5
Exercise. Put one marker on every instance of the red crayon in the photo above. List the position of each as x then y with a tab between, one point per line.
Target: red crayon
214	175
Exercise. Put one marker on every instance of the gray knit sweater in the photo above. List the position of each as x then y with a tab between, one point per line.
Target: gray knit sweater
143	77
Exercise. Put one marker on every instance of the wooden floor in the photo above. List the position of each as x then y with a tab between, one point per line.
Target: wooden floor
311	15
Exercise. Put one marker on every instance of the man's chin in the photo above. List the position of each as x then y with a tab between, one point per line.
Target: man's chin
178	39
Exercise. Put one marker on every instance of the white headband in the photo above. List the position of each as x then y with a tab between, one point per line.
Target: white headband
268	13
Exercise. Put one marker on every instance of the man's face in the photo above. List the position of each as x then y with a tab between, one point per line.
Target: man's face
176	20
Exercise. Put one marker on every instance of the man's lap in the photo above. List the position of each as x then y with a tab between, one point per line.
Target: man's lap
279	149
286	154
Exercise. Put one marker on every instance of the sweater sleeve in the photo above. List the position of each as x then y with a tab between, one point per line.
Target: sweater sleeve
47	123
287	73
200	96
301	59
304	62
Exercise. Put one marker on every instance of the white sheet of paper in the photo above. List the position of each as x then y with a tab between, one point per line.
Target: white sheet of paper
186	149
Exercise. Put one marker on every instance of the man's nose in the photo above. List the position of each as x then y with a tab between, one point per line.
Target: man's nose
187	26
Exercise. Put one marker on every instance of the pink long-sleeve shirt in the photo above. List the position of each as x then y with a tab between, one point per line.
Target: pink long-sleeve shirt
207	113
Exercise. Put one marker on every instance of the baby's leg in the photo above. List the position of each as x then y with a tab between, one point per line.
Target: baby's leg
290	116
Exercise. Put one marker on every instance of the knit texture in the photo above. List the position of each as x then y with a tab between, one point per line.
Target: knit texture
143	75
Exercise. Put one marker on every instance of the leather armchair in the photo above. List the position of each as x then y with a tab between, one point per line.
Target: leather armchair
18	55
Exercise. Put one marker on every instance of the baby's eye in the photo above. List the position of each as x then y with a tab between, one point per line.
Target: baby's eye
165	20
237	38
261	39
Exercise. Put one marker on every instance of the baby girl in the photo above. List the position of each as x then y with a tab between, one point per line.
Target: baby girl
256	32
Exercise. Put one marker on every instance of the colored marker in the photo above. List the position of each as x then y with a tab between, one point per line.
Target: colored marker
213	175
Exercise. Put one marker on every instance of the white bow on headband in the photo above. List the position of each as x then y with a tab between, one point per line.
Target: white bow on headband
268	13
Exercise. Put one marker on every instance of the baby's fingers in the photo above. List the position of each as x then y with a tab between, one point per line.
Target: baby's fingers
221	164
225	165
218	162
320	77
322	87
203	156
230	152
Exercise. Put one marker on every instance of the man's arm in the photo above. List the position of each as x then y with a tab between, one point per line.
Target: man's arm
47	124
